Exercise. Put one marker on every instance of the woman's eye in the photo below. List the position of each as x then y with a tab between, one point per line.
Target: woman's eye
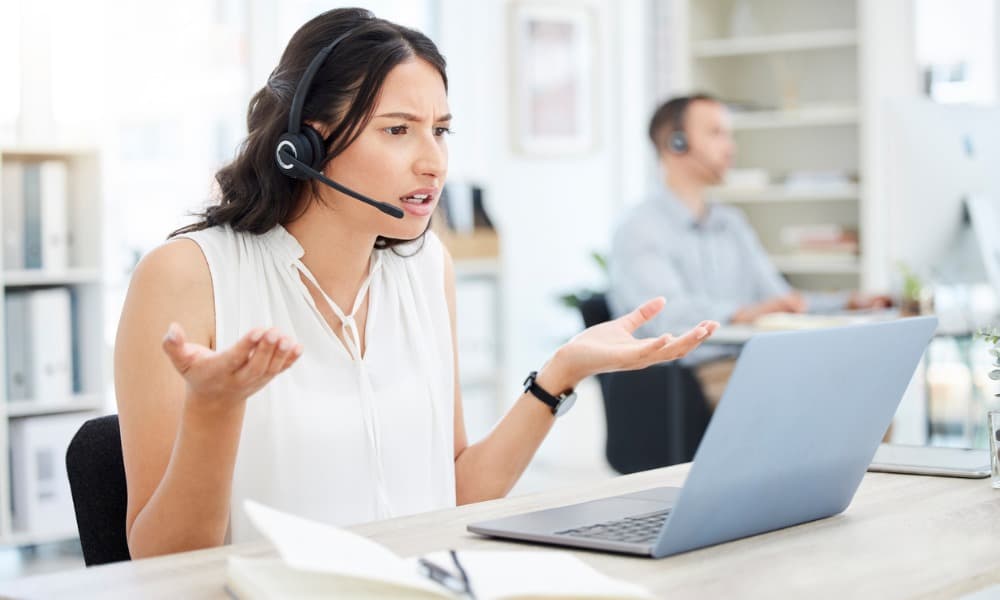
398	129
440	131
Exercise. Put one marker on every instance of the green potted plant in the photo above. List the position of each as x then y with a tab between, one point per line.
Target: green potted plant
915	297
573	299
992	336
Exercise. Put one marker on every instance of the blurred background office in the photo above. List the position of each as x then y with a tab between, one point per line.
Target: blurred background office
862	128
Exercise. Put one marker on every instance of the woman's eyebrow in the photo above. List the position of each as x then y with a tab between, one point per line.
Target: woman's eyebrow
411	117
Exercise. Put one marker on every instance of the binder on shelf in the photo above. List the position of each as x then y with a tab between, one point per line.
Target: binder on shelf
16	335
40	496
46	229
12	194
55	224
39	345
32	190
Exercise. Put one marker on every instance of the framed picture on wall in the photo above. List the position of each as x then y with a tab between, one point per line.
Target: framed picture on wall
552	77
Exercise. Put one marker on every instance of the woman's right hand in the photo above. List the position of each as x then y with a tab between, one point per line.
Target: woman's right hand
220	378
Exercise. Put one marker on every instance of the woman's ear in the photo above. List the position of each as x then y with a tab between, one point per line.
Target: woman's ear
322	128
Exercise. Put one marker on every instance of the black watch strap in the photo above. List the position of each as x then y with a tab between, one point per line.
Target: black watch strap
530	385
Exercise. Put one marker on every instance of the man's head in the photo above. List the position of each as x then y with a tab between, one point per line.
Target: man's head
693	138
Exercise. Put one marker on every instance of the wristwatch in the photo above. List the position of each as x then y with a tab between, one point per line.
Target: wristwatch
560	404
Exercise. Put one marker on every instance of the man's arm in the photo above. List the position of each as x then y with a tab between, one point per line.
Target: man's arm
641	267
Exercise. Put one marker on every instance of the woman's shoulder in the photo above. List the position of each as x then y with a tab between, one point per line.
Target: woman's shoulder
172	283
178	265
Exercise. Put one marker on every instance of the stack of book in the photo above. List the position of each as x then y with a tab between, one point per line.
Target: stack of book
35	225
821	242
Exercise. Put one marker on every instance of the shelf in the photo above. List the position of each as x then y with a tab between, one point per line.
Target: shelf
477	267
780	193
818	264
785	42
801	117
37	277
28	538
30	408
33	153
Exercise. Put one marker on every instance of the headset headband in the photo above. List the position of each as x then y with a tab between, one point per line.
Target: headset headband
302	89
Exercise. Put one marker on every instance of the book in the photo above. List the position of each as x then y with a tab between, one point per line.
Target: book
321	561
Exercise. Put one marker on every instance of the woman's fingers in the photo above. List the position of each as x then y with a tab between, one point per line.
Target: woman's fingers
257	365
177	349
239	354
667	347
680	346
284	355
635	319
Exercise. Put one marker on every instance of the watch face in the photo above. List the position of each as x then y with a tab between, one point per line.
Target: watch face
565	404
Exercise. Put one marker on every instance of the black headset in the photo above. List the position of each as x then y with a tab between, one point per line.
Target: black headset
301	149
678	141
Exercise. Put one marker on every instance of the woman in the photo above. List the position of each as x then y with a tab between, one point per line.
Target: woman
338	319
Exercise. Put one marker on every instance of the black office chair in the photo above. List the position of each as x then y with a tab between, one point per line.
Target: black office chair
97	482
656	416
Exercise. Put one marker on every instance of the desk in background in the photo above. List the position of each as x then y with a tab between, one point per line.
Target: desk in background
914	421
903	536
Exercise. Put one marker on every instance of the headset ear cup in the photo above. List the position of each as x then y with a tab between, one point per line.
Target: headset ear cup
678	142
317	149
298	146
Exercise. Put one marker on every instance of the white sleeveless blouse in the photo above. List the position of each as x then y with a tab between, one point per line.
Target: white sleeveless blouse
338	438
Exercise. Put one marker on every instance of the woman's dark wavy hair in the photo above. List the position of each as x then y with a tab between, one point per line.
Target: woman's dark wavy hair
255	195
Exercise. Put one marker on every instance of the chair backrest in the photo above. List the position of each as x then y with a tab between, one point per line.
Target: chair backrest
655	416
96	474
594	310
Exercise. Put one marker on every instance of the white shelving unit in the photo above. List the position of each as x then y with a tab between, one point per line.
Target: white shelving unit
805	79
83	279
777	193
786	42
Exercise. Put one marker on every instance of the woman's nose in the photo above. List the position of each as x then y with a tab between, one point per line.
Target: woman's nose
433	158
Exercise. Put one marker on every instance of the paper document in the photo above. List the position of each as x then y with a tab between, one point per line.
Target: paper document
319	560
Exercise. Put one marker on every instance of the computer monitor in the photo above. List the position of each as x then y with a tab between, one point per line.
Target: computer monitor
939	156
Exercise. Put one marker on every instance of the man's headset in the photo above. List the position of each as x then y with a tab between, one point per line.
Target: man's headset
301	150
678	142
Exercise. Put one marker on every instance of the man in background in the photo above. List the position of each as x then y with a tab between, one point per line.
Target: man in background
703	257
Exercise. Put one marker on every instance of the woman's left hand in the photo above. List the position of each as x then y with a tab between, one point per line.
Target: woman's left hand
611	346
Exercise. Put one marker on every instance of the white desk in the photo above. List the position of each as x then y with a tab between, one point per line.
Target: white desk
737	335
902	537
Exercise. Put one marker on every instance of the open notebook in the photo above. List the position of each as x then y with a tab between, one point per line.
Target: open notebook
321	561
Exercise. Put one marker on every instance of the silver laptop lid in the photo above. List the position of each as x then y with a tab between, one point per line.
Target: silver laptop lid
795	430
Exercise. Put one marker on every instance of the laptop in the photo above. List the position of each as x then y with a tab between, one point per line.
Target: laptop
972	463
789	443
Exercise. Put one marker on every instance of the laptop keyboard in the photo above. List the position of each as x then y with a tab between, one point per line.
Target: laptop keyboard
640	529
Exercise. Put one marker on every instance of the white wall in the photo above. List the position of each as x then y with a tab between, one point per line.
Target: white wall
551	212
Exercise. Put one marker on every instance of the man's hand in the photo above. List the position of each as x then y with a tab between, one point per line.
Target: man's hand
859	301
789	303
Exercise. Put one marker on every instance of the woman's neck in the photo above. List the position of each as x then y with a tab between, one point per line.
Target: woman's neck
337	255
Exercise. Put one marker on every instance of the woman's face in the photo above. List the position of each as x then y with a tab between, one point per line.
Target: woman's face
401	157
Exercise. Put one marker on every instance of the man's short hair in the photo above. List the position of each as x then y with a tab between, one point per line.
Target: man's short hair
669	117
